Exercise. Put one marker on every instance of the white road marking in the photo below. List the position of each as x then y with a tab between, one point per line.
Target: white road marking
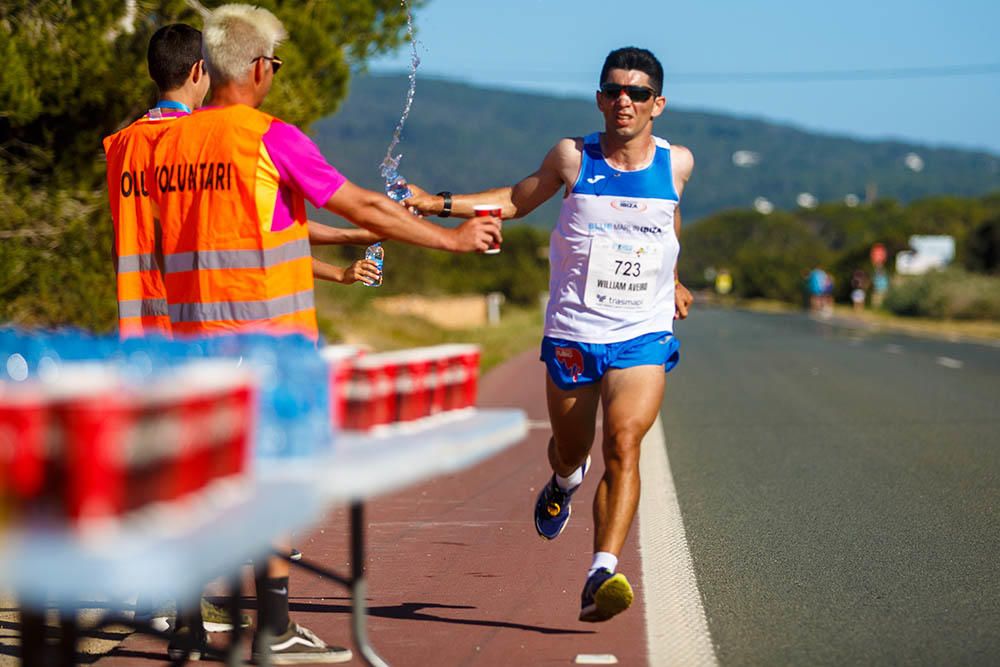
948	362
676	628
596	659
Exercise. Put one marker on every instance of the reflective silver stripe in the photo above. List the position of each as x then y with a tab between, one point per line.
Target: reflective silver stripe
237	259
239	311
142	308
134	263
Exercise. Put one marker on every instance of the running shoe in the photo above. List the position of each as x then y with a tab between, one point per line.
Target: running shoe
295	555
552	509
299	646
604	595
216	618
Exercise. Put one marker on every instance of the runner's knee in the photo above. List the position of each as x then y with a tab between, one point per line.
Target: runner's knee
621	449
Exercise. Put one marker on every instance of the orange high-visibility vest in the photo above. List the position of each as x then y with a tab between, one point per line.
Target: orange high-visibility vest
142	298
224	269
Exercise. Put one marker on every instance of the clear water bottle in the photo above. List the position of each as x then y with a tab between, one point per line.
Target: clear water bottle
375	253
396	186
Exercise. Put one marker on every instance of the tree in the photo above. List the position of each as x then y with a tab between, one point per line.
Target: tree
982	252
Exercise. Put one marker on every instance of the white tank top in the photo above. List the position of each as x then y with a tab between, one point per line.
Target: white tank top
613	251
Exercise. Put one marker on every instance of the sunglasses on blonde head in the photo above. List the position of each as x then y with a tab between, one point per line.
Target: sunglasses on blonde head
612	91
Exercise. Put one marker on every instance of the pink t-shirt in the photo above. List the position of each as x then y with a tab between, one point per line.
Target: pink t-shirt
301	167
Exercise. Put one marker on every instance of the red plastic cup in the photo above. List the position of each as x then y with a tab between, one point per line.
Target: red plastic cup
339	359
371	393
23	422
91	417
437	375
412	395
485	210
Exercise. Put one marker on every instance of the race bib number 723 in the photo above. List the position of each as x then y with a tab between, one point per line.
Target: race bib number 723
622	276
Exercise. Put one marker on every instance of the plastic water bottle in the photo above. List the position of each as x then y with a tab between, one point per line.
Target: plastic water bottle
375	253
396	186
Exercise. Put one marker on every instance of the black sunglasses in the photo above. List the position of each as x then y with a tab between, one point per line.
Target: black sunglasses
612	91
276	62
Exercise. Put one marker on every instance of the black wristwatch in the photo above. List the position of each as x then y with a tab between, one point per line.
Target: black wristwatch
446	209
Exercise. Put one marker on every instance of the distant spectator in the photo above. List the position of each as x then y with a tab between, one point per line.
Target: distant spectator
816	282
859	289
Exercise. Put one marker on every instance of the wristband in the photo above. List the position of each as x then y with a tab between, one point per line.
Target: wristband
446	209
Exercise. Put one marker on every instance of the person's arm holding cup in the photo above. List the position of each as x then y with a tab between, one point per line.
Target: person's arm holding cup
513	202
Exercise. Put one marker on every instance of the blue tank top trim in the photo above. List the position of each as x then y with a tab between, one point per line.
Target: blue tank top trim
598	178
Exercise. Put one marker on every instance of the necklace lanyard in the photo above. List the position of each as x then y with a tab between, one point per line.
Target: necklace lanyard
173	104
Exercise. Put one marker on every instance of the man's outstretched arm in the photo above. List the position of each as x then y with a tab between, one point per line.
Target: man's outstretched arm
518	200
387	219
320	234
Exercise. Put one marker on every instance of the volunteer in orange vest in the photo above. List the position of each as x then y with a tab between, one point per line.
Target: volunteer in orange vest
175	64
230	184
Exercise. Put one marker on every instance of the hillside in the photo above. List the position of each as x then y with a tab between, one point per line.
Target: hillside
463	138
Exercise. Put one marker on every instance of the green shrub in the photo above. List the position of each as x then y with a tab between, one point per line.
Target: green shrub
952	294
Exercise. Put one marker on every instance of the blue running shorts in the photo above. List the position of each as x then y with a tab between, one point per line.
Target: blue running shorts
571	364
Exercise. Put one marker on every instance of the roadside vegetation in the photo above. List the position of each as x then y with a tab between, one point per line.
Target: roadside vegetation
769	256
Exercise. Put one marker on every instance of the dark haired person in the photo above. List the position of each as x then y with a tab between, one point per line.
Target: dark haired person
175	65
613	296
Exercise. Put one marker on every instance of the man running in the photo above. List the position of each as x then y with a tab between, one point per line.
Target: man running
613	296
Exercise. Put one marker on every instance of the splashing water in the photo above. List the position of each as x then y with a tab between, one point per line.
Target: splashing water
395	185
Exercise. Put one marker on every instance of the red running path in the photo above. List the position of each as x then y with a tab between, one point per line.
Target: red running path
457	574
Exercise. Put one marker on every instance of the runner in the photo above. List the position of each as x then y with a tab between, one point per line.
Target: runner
229	185
613	296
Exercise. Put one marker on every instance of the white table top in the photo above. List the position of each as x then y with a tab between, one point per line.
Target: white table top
361	466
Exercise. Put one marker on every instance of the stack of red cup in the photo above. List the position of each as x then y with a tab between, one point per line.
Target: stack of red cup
339	359
370	395
406	388
92	449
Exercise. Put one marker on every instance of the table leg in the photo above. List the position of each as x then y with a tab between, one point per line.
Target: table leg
33	645
359	589
69	626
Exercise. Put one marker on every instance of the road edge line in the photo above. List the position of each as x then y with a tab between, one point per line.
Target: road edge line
676	626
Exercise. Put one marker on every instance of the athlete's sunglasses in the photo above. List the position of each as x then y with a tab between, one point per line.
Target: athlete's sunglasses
276	62
612	91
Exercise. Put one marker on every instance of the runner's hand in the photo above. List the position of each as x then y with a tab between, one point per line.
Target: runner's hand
682	301
477	234
423	203
363	270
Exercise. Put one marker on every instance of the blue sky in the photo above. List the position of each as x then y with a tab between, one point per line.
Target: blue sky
714	52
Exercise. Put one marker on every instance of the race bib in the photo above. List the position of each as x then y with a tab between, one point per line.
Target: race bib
622	275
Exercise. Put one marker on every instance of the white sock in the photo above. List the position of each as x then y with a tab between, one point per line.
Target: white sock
574	480
603	559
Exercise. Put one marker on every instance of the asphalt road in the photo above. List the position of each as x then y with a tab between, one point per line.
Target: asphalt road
840	491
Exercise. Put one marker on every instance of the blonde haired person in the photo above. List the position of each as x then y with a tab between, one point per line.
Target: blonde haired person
235	36
230	185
